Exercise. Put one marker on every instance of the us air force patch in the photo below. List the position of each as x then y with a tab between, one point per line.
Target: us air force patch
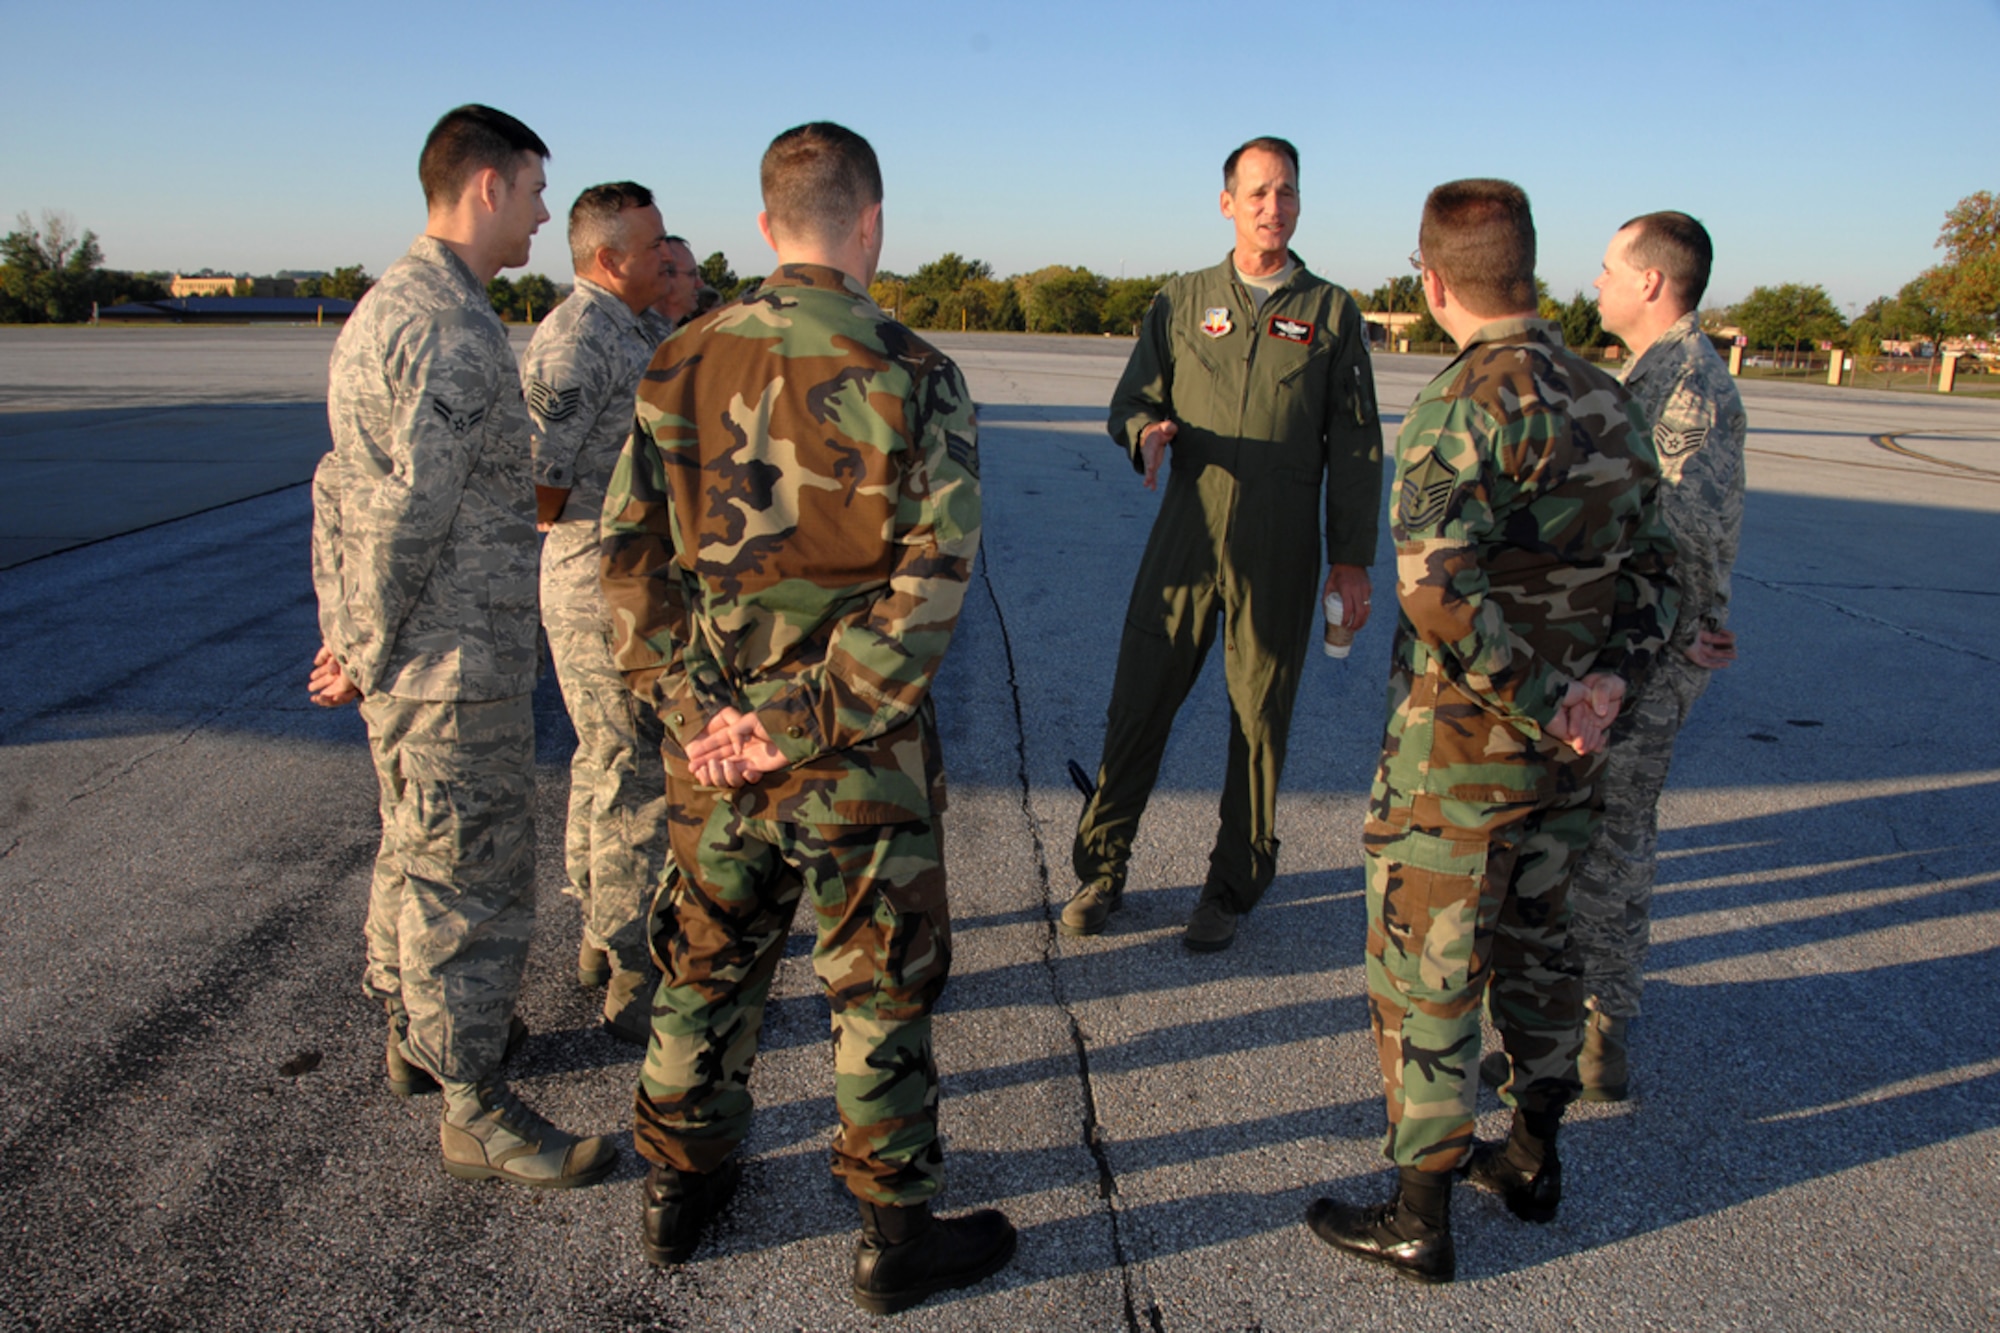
1673	443
1215	321
1291	330
460	422
551	403
1426	488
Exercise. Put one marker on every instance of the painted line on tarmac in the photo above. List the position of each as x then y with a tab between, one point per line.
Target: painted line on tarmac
1888	440
1820	459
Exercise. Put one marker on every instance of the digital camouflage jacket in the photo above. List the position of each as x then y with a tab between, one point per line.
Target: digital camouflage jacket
790	530
1685	390
581	368
423	541
1529	552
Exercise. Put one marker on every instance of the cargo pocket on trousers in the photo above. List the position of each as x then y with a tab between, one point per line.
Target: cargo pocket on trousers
1430	911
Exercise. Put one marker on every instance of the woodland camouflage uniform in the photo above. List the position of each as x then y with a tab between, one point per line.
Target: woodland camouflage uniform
1529	553
790	531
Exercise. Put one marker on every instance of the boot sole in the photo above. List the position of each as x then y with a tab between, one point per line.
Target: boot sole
1375	1256
468	1171
1208	946
894	1302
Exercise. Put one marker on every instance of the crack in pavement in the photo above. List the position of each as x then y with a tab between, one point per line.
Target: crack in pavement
1776	585
1107	1179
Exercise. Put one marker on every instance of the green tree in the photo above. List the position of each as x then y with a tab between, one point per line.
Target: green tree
715	271
1546	306
48	274
948	273
1582	326
506	301
1059	299
345	284
1403	295
1126	301
1966	287
537	294
1790	315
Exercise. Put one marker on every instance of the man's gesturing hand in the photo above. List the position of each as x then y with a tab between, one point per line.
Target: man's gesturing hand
1153	442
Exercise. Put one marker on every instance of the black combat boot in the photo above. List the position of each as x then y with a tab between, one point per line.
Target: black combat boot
1411	1233
905	1255
677	1205
1524	1171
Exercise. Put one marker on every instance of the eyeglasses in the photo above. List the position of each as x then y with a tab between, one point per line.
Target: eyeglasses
1417	259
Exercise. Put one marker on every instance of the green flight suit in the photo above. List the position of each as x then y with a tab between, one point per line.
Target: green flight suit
1271	404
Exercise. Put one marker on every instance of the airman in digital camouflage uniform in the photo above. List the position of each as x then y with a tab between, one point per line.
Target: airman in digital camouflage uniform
579	375
1655	271
786	548
685	289
424	562
1251	381
1532	572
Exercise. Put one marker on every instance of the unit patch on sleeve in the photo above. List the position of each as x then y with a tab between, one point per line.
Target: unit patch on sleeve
1291	330
551	403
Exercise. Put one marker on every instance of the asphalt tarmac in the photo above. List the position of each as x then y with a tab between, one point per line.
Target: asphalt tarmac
194	1128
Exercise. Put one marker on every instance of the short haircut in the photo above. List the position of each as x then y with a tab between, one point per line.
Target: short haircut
1269	143
467	140
1678	246
594	219
818	179
1480	237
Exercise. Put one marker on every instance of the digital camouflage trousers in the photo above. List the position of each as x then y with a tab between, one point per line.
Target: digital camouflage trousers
452	904
1613	894
882	953
1460	911
615	844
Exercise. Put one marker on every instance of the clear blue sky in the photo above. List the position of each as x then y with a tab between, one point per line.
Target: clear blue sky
1819	142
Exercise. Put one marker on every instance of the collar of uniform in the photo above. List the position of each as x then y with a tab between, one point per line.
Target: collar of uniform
610	304
815	275
1513	329
1676	336
431	250
1228	270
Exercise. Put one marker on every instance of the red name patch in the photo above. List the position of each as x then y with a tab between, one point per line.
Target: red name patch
1291	330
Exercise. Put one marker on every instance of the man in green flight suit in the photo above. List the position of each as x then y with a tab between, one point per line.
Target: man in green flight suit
1252	381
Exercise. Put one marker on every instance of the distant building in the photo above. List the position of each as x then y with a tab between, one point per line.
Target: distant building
229	285
1393	326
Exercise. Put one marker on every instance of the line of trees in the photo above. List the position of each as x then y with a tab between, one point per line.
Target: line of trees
54	272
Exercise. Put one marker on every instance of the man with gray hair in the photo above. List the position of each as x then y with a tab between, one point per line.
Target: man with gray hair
579	377
423	555
685	291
